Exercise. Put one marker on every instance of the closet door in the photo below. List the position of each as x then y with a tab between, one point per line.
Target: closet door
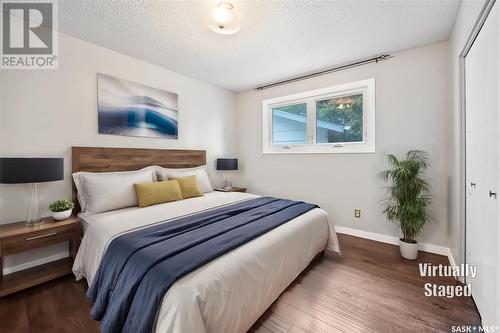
481	75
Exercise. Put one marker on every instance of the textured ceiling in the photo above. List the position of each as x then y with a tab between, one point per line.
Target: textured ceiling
278	39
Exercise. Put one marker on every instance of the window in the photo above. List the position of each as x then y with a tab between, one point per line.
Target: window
339	119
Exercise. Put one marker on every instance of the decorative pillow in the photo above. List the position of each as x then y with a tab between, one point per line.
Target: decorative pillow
189	187
80	190
110	191
154	193
200	173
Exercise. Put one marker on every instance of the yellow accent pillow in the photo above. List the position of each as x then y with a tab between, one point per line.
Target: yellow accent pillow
154	193
189	187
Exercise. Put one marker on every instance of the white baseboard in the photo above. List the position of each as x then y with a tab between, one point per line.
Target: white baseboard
432	248
450	258
452	261
29	264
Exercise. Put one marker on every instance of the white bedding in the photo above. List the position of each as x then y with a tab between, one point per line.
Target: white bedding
231	292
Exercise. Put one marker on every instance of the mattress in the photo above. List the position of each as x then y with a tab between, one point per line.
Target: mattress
229	293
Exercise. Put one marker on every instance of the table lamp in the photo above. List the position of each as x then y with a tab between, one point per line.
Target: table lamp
227	164
31	170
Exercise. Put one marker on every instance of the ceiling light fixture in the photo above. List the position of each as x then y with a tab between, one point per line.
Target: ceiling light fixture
223	20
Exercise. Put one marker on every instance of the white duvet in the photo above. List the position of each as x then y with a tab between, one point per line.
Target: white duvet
230	293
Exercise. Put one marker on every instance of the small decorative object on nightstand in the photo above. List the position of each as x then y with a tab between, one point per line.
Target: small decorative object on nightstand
31	170
61	209
232	189
227	164
17	237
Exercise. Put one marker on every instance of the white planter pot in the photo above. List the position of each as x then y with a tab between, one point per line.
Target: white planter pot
58	216
408	250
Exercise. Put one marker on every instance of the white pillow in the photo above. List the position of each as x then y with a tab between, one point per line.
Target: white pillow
200	173
103	184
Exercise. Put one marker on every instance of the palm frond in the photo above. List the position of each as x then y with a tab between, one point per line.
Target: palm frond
419	156
393	161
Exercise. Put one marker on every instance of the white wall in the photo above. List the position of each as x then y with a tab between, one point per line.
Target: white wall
467	15
1	132
44	113
412	112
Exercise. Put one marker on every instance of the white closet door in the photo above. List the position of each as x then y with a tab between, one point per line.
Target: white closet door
498	170
481	75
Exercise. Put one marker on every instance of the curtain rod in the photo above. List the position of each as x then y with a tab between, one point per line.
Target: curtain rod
326	71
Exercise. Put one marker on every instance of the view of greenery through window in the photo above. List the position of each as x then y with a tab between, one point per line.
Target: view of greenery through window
340	119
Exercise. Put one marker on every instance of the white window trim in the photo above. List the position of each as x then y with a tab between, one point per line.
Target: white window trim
367	87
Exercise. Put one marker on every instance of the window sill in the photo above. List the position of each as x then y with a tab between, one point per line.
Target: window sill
330	149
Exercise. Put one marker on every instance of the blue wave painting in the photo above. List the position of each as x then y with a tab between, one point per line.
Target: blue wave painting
131	109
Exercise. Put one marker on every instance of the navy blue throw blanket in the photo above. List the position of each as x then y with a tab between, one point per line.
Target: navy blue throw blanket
139	267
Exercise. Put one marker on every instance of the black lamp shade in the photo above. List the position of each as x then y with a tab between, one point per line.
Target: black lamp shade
31	170
227	164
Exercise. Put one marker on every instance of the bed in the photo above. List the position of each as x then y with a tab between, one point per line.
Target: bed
229	293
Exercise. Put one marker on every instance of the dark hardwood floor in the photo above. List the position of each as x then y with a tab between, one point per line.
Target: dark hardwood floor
370	288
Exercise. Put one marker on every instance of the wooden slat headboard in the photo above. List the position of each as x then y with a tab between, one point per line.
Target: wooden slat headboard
100	159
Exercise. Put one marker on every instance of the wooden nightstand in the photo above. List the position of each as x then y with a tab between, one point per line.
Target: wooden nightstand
16	237
233	189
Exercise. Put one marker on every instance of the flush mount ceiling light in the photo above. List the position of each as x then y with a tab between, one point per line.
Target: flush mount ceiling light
223	20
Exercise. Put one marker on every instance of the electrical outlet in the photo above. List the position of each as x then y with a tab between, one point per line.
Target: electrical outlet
357	213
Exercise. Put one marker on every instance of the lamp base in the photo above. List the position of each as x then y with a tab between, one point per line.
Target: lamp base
229	185
34	224
33	215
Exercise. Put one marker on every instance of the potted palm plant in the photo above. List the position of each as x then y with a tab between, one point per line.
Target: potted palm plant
409	198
